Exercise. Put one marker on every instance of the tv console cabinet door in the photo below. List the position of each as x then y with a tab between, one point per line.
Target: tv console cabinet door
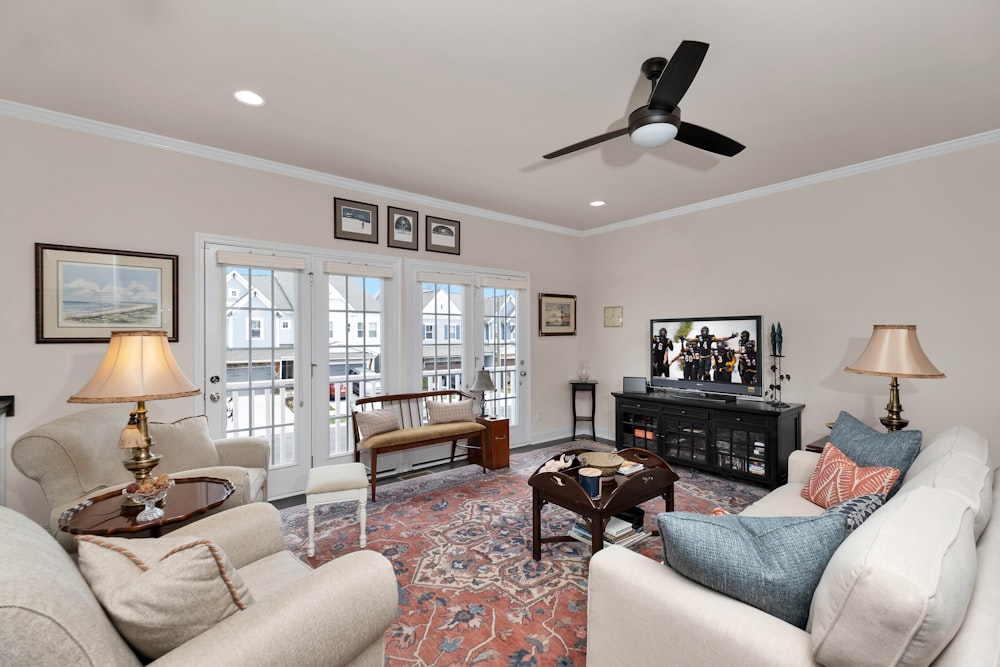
638	426
742	446
684	435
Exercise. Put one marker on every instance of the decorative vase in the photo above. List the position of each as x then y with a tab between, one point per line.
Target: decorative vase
583	371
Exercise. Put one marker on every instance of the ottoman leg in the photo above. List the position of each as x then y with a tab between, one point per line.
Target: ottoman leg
311	530
363	515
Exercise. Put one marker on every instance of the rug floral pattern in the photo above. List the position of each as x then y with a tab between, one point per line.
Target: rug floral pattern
460	543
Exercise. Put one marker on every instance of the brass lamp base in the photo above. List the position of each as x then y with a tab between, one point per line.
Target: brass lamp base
136	437
894	421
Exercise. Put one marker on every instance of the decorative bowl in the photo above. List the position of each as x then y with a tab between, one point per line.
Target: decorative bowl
149	500
607	462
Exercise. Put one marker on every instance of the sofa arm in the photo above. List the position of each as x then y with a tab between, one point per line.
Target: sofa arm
801	465
244	452
328	617
246	533
640	612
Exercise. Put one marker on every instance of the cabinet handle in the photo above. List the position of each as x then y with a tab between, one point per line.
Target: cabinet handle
500	437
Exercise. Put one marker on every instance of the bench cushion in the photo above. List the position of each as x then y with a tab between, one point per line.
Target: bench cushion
428	434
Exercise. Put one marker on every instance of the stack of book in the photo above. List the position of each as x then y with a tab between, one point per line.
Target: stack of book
618	531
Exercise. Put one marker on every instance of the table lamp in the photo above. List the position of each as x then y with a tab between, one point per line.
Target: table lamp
483	384
894	351
138	366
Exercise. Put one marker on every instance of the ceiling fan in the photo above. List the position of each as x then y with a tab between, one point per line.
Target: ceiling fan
659	120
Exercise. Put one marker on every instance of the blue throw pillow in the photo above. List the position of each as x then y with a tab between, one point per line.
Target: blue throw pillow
772	563
857	509
868	447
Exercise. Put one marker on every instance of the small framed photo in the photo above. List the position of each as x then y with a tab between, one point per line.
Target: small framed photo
403	228
355	221
83	294
443	235
556	315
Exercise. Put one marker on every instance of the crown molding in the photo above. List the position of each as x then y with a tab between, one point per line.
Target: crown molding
877	164
99	128
76	123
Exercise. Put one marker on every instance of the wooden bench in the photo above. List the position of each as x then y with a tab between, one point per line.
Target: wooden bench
413	428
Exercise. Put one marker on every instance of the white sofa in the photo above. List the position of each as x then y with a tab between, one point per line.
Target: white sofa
918	583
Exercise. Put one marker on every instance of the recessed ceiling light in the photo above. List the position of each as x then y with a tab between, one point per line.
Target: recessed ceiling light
249	98
597	202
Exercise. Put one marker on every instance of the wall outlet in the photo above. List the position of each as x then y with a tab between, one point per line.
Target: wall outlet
538	415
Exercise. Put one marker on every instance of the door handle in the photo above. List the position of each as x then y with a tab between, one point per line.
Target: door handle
214	397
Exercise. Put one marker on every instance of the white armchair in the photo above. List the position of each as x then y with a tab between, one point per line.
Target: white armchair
76	457
335	615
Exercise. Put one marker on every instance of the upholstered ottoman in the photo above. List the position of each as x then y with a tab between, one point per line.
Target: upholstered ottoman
342	483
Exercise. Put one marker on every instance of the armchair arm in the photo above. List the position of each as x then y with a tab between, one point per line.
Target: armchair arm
328	617
247	533
244	452
641	612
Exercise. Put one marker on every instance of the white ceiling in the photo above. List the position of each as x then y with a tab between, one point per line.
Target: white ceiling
458	99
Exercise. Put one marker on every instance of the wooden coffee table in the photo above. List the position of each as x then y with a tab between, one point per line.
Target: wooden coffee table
617	495
104	515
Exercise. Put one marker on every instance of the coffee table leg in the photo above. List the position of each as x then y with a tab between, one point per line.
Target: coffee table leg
668	499
536	525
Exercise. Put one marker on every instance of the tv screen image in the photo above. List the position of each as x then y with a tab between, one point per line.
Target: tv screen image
714	355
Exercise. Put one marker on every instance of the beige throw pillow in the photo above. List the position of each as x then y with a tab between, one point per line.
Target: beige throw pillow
439	412
161	592
184	445
373	422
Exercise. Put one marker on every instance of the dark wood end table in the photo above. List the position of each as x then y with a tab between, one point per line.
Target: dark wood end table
495	452
103	514
620	494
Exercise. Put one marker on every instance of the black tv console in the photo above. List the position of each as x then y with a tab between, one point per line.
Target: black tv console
746	440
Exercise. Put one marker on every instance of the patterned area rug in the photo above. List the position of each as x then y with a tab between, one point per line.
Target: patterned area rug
460	542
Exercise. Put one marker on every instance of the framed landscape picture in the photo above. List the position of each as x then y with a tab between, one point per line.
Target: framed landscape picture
443	235
83	294
556	315
403	228
355	221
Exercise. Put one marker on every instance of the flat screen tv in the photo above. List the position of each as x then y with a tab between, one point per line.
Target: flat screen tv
716	356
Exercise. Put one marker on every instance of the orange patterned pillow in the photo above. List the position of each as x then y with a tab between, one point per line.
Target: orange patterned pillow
838	478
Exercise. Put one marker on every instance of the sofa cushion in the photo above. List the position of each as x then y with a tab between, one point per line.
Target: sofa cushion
373	422
896	590
184	444
837	478
441	412
963	475
856	510
772	563
868	447
955	440
161	592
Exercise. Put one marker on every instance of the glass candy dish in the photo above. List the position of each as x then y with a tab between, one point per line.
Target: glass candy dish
149	500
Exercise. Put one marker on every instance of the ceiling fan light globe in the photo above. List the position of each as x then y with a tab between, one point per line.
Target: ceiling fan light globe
653	135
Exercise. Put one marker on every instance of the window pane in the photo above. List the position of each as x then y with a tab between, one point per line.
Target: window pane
500	346
442	348
355	362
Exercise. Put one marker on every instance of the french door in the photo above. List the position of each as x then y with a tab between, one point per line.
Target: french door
256	328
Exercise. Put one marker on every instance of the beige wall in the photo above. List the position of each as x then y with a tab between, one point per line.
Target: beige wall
913	244
910	244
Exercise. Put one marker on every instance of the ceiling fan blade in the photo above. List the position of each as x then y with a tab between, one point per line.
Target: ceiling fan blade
678	75
586	143
707	140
